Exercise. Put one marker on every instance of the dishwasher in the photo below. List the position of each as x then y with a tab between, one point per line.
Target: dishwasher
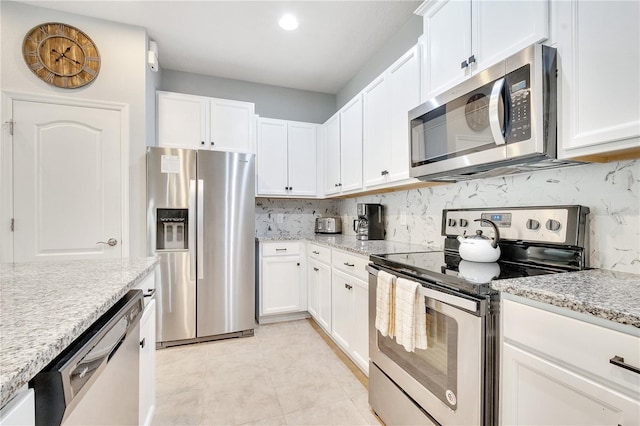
95	381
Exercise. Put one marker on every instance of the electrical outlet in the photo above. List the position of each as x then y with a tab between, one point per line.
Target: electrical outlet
279	218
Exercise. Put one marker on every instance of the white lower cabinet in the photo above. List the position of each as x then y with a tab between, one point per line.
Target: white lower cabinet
320	293
556	370
282	289
350	308
21	410
148	363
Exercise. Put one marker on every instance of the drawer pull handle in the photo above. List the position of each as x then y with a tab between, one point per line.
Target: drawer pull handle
315	269
347	286
349	264
151	292
316	252
619	361
284	249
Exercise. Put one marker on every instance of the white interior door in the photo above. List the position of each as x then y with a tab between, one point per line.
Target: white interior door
67	182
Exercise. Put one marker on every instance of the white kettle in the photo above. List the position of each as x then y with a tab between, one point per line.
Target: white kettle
480	248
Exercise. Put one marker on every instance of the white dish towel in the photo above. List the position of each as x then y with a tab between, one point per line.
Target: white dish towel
410	316
385	303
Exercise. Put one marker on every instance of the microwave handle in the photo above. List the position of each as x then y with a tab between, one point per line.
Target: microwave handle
494	112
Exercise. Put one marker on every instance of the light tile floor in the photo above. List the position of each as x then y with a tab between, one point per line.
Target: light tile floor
287	374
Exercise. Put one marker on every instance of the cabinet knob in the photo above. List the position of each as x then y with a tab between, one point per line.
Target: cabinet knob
347	286
316	252
298	264
201	142
315	269
472	59
384	172
142	342
212	143
464	64
291	188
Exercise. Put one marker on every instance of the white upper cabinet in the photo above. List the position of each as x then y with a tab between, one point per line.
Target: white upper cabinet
198	122
232	125
286	158
182	120
376	131
332	155
272	157
351	145
447	29
387	101
464	37
599	83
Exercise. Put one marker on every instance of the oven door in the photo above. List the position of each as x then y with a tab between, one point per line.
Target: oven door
445	379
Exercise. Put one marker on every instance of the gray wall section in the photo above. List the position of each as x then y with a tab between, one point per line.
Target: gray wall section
271	101
395	47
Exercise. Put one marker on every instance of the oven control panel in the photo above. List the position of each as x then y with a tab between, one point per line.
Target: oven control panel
554	225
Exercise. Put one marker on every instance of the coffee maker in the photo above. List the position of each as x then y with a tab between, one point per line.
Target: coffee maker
370	222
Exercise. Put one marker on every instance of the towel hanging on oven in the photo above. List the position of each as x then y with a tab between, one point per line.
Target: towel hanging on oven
410	315
385	292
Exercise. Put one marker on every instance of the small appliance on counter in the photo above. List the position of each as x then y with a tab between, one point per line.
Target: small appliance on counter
370	222
328	225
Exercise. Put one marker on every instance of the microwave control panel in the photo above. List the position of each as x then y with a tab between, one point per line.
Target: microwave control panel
519	88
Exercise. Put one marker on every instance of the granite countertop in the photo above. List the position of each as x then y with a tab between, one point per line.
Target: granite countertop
44	306
351	244
604	294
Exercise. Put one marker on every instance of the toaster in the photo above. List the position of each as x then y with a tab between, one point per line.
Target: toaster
328	225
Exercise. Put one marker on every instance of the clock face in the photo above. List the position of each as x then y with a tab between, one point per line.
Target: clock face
61	55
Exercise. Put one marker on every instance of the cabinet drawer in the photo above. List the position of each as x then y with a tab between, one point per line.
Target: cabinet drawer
320	253
576	344
284	248
351	264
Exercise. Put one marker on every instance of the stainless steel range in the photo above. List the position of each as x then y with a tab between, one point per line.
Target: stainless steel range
455	380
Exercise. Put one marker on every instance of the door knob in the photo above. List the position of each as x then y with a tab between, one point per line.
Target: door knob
111	242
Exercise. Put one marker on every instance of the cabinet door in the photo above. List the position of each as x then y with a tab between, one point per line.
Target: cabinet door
232	125
525	21
404	85
332	155
376	131
302	158
360	341
314	289
568	398
280	285
351	145
147	363
182	120
272	157
599	84
324	296
341	309
447	29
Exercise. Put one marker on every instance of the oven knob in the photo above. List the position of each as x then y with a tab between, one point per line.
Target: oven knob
533	224
464	223
452	222
553	225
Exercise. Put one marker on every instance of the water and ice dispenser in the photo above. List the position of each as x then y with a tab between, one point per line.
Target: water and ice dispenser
172	229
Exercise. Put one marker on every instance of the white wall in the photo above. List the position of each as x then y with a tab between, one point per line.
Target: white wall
123	79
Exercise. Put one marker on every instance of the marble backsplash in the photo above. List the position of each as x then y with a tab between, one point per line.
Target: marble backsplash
611	191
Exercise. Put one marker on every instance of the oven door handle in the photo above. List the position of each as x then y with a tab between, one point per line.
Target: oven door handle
450	299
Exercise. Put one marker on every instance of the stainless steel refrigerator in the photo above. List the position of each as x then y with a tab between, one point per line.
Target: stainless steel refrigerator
201	223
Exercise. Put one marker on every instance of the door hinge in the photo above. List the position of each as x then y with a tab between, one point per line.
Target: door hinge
10	123
13	224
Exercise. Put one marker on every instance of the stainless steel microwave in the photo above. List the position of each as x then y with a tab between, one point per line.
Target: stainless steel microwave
500	121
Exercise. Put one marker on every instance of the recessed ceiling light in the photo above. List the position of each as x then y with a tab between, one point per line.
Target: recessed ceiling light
288	22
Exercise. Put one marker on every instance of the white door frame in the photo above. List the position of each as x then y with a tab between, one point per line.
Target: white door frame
6	161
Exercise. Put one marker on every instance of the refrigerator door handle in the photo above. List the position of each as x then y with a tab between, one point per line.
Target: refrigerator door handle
192	230
200	249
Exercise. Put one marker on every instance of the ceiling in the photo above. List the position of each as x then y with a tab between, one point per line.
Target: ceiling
242	40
